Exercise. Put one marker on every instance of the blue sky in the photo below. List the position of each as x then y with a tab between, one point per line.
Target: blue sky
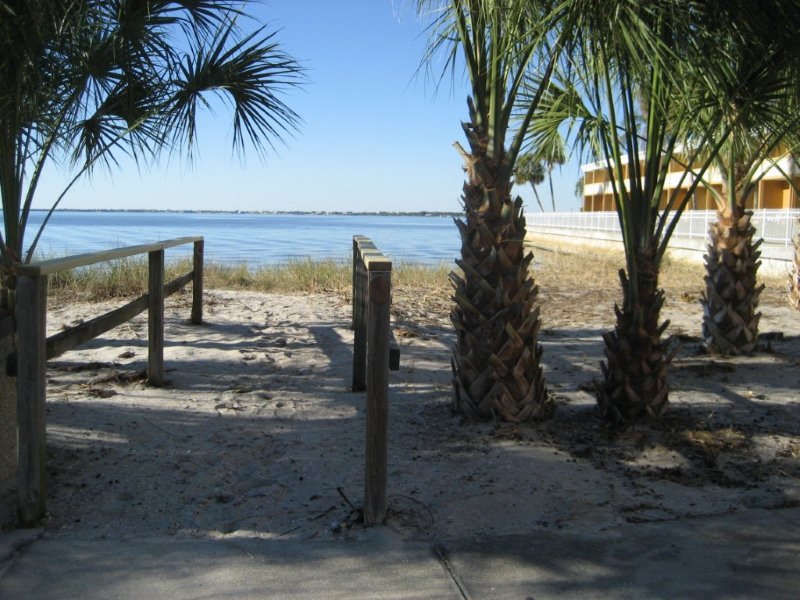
376	136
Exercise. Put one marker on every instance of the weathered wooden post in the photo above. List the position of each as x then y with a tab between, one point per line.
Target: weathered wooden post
33	349
380	292
197	283
155	318
356	258
360	283
31	312
8	400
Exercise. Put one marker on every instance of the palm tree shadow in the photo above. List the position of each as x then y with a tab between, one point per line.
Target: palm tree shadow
714	432
255	462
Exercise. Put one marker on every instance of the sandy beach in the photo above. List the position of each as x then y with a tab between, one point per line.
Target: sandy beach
257	434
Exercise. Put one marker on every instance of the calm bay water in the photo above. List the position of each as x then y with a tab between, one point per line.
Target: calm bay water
254	239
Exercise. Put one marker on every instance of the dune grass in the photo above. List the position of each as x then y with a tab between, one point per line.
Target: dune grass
128	277
597	270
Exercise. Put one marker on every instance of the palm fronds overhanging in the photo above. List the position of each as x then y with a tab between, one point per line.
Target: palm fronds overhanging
85	83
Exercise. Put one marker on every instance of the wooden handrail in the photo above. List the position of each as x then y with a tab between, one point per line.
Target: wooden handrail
76	335
56	265
33	348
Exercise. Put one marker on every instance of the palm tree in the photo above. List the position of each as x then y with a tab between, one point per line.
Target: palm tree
552	156
762	56
793	281
624	96
84	82
496	362
793	285
545	157
730	301
530	170
579	186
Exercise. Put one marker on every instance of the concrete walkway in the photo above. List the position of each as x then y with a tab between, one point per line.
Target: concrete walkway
752	554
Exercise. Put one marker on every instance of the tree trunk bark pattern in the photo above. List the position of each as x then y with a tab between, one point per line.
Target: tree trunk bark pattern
496	362
794	277
730	320
634	382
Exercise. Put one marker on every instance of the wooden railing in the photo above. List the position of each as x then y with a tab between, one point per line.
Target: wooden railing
34	348
374	353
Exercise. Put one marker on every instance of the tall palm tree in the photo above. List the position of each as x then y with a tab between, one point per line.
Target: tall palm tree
544	158
496	362
624	96
530	170
553	156
762	55
83	82
578	191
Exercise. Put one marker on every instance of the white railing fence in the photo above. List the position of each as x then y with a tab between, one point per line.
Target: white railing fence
777	227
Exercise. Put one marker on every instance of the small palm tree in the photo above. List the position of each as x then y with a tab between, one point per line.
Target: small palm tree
762	56
730	302
579	187
793	285
530	170
553	156
793	281
84	82
497	361
544	157
624	95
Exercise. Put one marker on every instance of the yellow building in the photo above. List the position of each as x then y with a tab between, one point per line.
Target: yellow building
772	191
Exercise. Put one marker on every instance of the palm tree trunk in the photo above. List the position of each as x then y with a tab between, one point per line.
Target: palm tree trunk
538	200
794	276
730	320
635	372
496	362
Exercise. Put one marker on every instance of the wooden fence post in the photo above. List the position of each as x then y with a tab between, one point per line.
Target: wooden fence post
197	283
31	312
155	319
356	258
359	320
380	293
8	400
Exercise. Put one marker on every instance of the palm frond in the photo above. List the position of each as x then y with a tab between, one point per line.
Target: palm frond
248	74
88	82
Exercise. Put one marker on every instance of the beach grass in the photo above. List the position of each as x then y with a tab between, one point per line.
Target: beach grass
600	268
128	277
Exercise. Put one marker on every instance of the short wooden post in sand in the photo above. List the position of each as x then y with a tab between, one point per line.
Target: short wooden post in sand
155	319
197	283
375	353
380	293
31	311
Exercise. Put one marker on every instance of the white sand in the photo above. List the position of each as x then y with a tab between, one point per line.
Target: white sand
257	430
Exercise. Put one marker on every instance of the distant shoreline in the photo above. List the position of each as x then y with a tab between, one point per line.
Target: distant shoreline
342	213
